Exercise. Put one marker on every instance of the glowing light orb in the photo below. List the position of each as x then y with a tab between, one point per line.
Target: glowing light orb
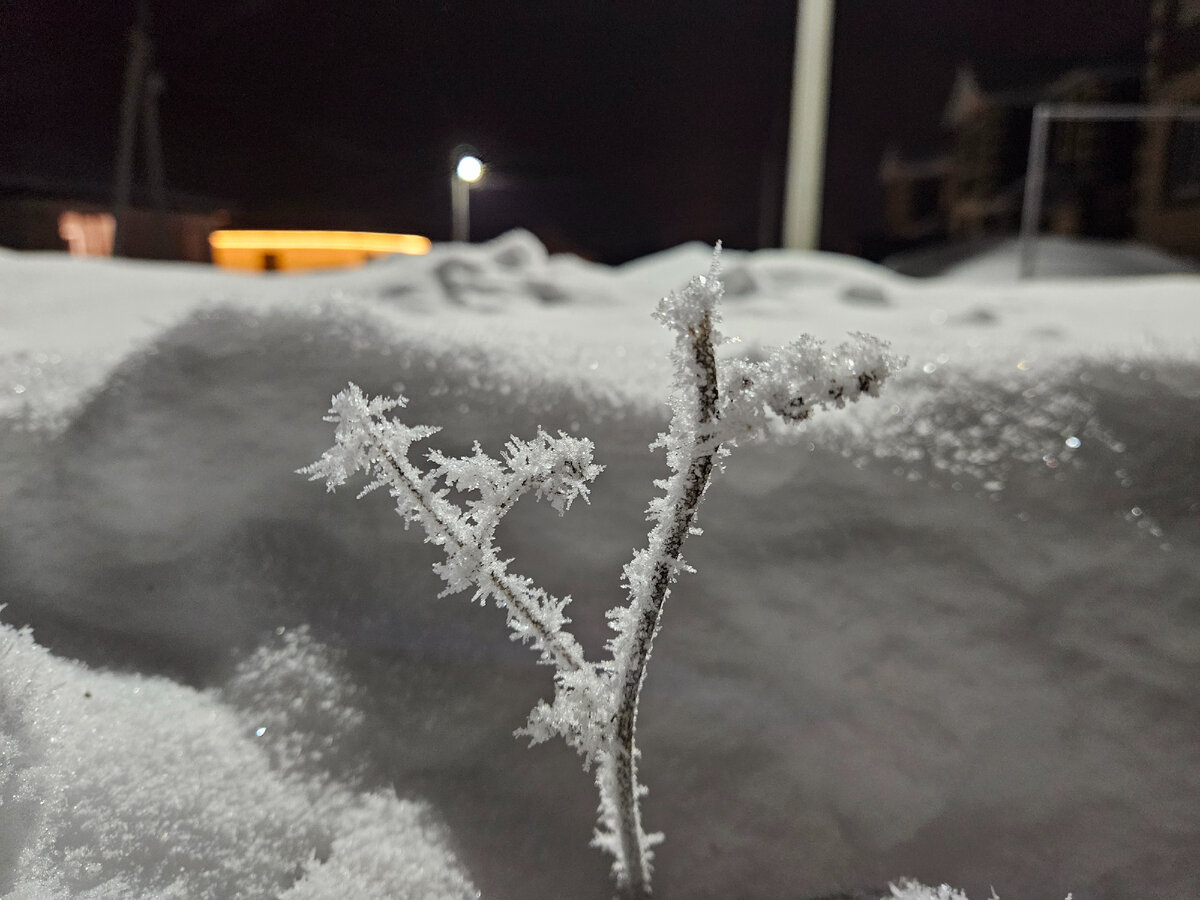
470	169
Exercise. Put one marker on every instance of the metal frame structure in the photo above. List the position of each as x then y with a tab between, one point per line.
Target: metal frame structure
1035	169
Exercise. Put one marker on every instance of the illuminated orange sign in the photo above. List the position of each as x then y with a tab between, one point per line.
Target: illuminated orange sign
294	250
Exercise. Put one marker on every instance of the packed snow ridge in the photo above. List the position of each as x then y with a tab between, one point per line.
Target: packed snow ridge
951	632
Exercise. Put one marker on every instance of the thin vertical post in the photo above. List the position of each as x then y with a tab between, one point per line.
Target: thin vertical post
460	208
806	139
1035	181
135	72
153	89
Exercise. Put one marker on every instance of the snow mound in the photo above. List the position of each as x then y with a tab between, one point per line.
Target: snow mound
953	635
126	786
998	260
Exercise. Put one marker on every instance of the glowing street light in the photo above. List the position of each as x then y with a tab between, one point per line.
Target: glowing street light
468	169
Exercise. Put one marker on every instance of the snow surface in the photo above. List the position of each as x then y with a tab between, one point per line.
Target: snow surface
1055	256
952	633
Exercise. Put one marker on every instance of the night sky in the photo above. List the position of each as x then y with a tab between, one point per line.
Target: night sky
612	129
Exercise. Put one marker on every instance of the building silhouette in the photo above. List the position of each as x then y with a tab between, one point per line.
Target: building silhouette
1167	211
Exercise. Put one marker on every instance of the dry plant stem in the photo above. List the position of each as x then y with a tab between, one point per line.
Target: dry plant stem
595	706
669	535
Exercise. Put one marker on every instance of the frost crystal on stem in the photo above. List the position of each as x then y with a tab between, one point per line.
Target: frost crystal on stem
713	407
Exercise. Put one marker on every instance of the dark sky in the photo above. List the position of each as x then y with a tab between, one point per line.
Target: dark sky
613	128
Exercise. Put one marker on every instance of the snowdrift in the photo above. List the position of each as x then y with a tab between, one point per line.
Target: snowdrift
953	634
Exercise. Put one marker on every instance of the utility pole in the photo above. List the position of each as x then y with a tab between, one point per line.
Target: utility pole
143	86
806	140
153	89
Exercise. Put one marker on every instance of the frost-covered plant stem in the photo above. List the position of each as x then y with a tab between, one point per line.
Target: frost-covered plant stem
673	525
595	705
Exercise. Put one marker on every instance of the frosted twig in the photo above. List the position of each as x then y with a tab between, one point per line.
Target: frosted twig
368	441
595	705
691	447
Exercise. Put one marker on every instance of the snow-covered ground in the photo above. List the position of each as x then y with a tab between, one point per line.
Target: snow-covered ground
1054	256
952	633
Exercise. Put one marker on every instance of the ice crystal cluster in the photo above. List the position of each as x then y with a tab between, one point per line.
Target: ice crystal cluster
908	889
714	406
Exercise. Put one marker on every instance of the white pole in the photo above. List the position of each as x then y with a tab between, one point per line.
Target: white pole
806	139
465	170
460	207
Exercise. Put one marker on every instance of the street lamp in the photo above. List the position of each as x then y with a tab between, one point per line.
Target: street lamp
467	171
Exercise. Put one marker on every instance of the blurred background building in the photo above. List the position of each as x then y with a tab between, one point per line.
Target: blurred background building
613	134
1104	178
1167	187
974	188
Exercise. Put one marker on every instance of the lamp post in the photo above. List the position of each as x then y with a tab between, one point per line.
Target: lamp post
806	142
467	171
